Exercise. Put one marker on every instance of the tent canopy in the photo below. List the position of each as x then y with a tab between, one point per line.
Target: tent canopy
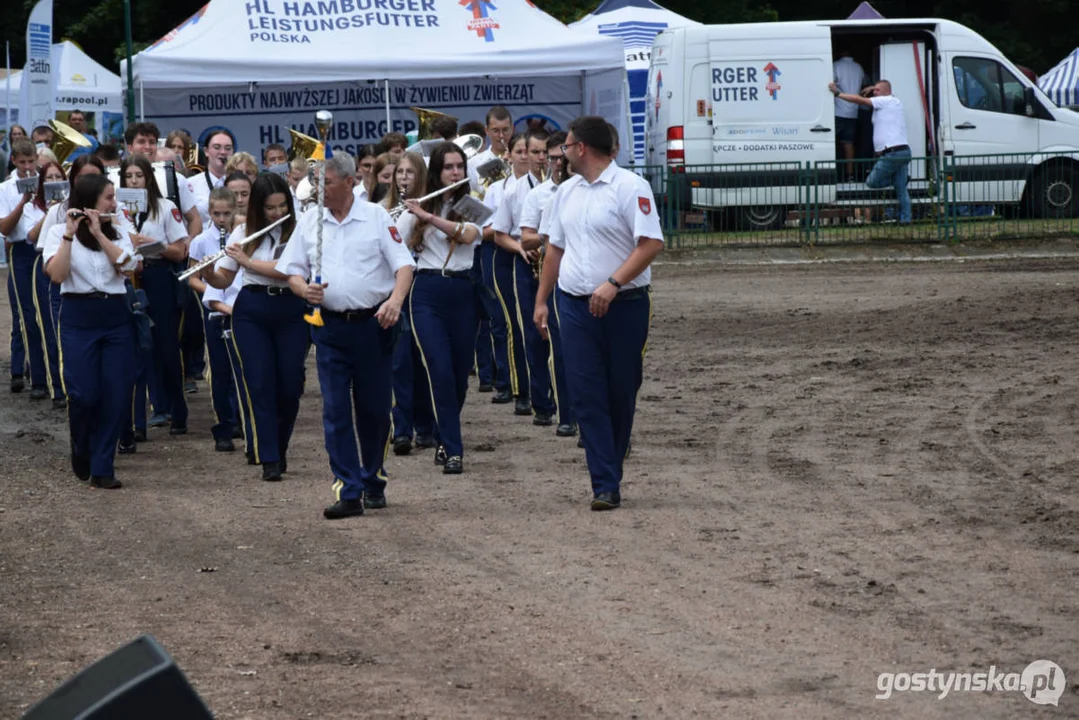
1061	83
81	83
865	11
309	41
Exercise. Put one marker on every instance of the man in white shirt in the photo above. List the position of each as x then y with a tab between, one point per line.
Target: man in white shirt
849	77
889	141
603	237
366	273
141	138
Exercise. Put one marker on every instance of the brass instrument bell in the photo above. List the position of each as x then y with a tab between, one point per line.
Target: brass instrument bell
425	116
469	144
303	146
66	140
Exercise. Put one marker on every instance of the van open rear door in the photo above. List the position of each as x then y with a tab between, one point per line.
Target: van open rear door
772	119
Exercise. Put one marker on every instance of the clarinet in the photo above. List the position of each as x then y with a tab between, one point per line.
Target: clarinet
224	236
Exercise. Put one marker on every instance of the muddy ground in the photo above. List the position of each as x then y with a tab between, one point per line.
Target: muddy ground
837	471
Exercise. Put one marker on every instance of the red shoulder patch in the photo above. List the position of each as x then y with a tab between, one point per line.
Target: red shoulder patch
177	216
394	234
644	204
127	214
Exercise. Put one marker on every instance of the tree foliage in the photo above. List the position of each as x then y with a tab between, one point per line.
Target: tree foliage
1032	32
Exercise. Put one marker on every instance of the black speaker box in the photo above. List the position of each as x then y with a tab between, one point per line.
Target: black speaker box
138	681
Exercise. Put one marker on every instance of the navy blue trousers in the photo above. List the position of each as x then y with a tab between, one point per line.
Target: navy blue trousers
97	340
355	368
604	365
18	350
166	366
503	263
192	331
496	318
271	338
44	318
566	416
411	395
243	401
485	359
537	349
444	323
21	271
223	398
134	418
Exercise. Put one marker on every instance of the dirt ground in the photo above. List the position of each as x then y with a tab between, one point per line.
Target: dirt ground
837	471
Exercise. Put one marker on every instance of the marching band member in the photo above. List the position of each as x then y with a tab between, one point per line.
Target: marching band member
141	138
411	396
297	171
87	256
507	227
160	238
365	168
443	311
240	186
366	273
603	238
223	397
241	162
268	330
50	172
219	148
274	155
503	263
394	143
180	143
534	221
14	133
17	217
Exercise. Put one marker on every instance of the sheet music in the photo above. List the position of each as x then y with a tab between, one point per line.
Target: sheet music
473	210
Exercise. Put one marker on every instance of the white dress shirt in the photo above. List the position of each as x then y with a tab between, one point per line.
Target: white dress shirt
55	214
536	203
269	249
206	244
361	255
226	296
849	77
91	270
200	187
599	224
495	193
167	227
436	244
9	200
359	193
507	219
889	125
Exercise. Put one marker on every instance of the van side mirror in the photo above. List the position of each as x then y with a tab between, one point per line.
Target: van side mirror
1028	99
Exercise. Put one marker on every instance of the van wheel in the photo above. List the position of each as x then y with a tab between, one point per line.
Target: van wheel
1054	192
760	217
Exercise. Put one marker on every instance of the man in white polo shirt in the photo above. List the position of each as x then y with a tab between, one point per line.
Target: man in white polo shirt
889	141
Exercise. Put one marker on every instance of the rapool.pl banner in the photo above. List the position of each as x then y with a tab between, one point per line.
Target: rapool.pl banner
259	114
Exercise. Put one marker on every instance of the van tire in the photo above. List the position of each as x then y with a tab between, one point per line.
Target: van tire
1054	192
759	217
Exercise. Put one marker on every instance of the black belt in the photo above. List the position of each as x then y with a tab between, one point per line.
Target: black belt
631	294
267	289
894	148
446	273
351	315
154	261
96	295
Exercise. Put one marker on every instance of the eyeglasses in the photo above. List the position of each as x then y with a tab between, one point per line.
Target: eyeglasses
565	148
556	158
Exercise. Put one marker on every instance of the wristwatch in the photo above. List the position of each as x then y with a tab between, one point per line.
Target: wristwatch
614	282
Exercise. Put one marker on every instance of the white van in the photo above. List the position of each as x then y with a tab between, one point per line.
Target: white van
756	96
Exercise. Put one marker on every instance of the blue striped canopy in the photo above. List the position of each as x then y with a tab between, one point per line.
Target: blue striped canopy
1061	83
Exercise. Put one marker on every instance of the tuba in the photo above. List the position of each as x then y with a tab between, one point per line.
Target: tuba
303	146
66	141
425	117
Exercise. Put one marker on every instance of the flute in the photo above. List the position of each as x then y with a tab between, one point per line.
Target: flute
213	259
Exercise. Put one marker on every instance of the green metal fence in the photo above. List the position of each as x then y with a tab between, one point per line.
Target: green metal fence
782	203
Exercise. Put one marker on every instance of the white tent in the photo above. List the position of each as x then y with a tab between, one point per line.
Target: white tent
256	66
81	84
636	23
1061	83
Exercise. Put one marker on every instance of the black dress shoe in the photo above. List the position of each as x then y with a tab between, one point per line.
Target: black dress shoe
486	387
140	435
580	442
127	449
425	441
521	406
374	502
38	393
251	459
178	430
224	445
105	483
502	397
17	384
565	430
440	456
59	403
271	471
453	466
284	464
402	445
343	509
190	387
80	464
543	419
607	501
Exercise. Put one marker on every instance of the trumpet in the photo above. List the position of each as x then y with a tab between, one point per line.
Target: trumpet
214	258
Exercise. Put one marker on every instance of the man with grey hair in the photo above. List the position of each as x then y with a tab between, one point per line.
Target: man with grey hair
366	274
